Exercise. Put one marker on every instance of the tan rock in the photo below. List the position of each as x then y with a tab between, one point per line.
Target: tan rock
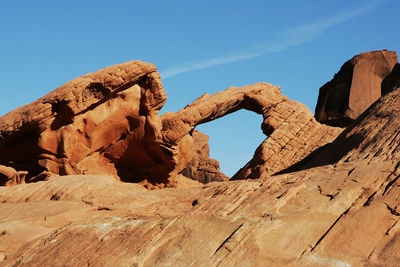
107	122
340	208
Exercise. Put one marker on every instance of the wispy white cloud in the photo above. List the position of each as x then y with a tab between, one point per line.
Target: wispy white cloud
288	38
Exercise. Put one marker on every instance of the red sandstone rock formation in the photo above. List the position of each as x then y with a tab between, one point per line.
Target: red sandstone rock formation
290	126
341	208
105	122
344	212
354	88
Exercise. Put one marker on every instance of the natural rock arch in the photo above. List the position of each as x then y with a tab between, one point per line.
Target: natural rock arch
290	126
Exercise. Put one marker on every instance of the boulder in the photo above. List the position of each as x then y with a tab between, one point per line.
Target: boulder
354	88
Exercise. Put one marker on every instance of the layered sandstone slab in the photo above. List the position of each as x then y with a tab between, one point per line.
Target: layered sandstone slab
354	88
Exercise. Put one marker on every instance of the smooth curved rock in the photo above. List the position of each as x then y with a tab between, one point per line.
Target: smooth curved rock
354	88
105	122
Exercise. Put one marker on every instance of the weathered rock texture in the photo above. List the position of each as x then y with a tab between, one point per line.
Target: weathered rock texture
290	126
344	212
354	88
202	168
105	122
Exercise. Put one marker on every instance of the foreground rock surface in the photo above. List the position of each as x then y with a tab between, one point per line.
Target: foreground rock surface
354	88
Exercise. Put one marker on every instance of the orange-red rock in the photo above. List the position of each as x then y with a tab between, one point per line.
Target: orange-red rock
9	176
291	128
202	168
344	212
341	208
105	122
354	88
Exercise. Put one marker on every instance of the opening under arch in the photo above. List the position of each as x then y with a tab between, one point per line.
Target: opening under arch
233	139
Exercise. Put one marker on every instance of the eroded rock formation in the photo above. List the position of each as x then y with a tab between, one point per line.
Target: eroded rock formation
344	212
354	88
105	122
9	176
290	126
202	168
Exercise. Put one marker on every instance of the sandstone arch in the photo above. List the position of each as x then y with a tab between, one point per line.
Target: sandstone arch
292	130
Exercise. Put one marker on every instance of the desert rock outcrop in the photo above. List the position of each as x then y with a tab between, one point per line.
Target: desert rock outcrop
341	212
105	122
354	88
338	206
290	126
9	176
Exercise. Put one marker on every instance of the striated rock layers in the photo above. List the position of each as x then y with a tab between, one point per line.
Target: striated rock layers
341	209
354	88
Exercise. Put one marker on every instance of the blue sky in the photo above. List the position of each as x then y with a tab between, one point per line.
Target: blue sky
198	46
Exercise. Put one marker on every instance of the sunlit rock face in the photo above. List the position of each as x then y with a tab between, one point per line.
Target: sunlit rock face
105	122
354	88
338	206
340	210
291	129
